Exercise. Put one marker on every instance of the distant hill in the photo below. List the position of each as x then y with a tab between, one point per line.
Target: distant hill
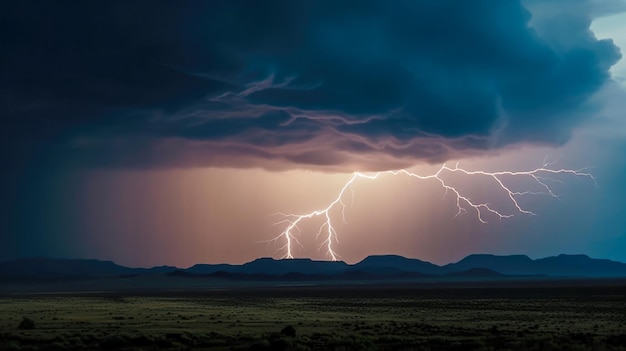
33	268
46	267
298	265
271	266
390	263
561	265
579	265
210	268
378	267
512	264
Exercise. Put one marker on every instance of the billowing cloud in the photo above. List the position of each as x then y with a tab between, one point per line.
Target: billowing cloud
278	84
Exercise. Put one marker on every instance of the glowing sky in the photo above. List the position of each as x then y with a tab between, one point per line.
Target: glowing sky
154	133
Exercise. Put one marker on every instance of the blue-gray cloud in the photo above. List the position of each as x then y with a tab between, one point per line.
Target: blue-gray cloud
337	84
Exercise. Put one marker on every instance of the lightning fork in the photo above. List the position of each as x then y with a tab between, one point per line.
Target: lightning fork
463	202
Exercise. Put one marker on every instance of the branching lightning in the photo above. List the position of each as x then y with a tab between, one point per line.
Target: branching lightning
541	176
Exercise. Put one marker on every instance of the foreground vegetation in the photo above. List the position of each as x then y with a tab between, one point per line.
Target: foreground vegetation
321	319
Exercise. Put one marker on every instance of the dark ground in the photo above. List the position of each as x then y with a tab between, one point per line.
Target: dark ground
541	315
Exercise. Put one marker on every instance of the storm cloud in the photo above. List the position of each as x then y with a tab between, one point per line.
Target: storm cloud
339	85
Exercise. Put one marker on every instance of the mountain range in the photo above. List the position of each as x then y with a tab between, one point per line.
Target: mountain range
372	267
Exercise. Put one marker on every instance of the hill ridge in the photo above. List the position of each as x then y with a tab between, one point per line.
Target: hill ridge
573	265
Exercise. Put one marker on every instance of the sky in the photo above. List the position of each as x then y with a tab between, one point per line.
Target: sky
181	132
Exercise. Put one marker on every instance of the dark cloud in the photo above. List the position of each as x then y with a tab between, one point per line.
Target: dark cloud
334	84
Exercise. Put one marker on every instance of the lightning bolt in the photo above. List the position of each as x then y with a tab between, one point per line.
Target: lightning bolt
541	176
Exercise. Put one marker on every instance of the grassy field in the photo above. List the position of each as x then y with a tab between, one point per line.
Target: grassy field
353	318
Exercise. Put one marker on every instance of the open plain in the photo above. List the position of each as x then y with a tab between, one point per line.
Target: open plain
575	316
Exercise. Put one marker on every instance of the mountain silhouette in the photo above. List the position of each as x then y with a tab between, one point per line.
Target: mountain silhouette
298	265
561	265
62	267
210	268
512	264
574	265
389	263
70	268
271	266
372	267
